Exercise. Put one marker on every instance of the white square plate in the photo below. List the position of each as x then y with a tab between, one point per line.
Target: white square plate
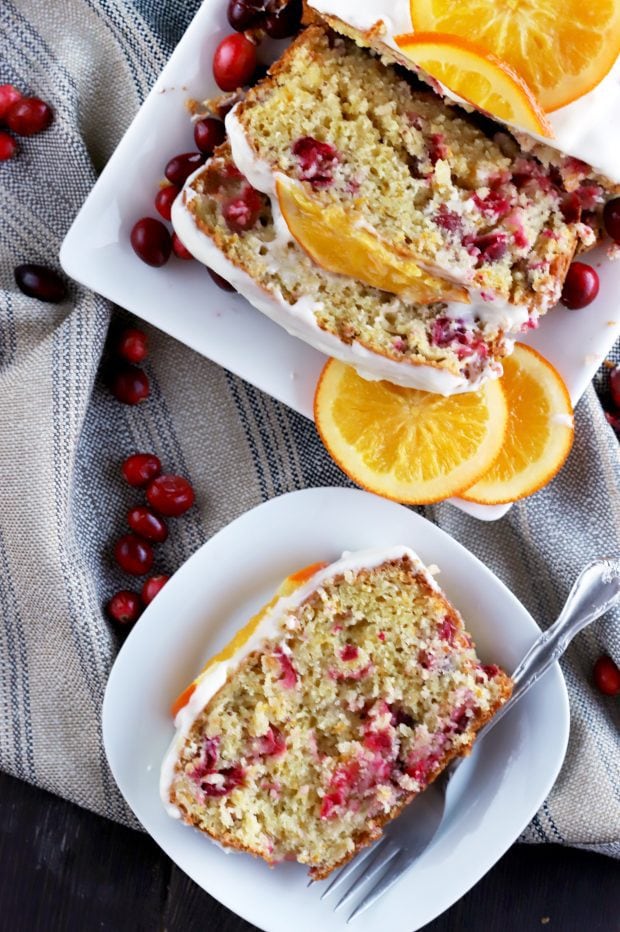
181	299
494	793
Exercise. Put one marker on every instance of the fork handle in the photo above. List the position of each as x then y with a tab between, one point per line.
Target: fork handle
595	591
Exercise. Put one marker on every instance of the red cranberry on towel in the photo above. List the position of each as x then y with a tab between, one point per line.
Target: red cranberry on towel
607	676
153	587
124	607
170	495
141	468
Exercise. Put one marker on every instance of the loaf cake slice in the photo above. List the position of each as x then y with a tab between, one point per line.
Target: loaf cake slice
232	228
365	141
334	708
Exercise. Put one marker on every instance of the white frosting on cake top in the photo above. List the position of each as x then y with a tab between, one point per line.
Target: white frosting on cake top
587	129
271	626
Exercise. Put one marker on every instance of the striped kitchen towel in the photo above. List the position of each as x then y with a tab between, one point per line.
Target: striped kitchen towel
62	438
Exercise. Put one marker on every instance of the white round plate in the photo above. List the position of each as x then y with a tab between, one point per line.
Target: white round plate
493	795
181	299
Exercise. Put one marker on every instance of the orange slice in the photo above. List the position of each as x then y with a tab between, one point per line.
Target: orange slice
290	584
562	48
337	241
408	445
478	76
539	434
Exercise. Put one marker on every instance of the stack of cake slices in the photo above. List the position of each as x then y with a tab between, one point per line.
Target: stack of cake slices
387	228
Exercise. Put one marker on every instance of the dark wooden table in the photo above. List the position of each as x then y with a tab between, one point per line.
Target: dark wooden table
64	869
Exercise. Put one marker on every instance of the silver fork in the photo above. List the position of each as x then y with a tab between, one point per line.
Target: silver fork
595	591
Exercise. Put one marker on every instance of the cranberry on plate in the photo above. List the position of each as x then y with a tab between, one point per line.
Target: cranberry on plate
133	345
8	147
164	200
141	468
580	286
29	115
607	676
124	607
129	384
37	281
208	134
170	495
8	96
151	241
220	282
245	14
180	251
152	587
147	524
134	555
180	167
285	20
611	218
234	62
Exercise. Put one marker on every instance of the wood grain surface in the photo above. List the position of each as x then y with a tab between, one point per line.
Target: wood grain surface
64	869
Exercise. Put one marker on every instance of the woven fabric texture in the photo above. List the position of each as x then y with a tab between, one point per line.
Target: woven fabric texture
62	438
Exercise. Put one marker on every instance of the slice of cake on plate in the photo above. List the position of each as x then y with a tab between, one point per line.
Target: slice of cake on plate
336	136
338	703
240	234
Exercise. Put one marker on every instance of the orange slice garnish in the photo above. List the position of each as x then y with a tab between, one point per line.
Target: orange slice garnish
287	587
408	445
539	435
478	77
561	48
337	241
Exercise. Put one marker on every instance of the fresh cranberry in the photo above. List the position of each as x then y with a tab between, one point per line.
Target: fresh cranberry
613	420
8	147
611	218
241	213
28	116
234	62
37	281
164	200
317	161
285	20
8	96
607	676
170	495
220	282
141	468
133	555
144	522
580	286
180	167
132	345
151	241
180	251
208	134
129	384
614	386
245	14
124	607
152	587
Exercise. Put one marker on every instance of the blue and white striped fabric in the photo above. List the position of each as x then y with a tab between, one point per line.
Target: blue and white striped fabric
62	437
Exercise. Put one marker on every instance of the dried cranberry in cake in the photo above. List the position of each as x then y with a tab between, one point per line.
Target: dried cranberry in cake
271	744
437	148
494	204
8	147
208	134
288	676
242	212
581	286
611	218
151	241
140	468
164	200
454	333
234	62
447	219
487	247
222	782
180	167
317	161
28	116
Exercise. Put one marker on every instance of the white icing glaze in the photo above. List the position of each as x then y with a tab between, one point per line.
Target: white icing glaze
586	129
298	319
271	626
493	310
